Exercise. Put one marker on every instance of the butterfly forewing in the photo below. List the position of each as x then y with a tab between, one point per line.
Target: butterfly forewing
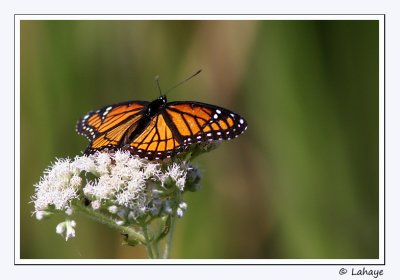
200	122
106	126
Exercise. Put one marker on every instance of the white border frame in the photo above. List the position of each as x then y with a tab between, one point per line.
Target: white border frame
380	18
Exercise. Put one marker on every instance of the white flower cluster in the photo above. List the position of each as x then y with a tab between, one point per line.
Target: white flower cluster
58	187
123	187
119	183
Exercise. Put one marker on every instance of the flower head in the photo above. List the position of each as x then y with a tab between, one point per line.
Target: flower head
58	187
124	186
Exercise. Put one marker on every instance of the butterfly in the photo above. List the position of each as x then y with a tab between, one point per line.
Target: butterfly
159	129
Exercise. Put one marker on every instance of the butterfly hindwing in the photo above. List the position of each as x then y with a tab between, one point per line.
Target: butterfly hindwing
157	141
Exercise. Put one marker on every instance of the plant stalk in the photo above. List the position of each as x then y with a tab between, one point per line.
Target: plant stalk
168	243
99	217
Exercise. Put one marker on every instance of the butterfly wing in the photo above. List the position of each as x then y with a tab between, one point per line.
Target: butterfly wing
200	122
181	124
157	141
106	127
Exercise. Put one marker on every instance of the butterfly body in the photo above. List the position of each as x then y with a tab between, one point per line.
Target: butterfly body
158	129
151	110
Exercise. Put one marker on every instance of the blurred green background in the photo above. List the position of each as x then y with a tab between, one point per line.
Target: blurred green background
302	182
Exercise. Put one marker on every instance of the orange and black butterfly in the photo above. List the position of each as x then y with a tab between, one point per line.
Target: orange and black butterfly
158	130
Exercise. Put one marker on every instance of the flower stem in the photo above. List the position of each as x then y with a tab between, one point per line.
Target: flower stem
98	216
151	250
168	244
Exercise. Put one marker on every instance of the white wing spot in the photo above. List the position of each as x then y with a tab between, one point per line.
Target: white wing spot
219	133
241	121
215	116
198	137
218	111
209	134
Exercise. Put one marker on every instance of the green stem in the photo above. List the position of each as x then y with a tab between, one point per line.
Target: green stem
168	244
149	243
154	245
99	217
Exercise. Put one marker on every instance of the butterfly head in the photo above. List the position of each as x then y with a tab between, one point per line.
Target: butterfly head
155	106
163	98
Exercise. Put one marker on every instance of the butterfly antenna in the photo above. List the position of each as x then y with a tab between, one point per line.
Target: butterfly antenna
157	79
185	80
